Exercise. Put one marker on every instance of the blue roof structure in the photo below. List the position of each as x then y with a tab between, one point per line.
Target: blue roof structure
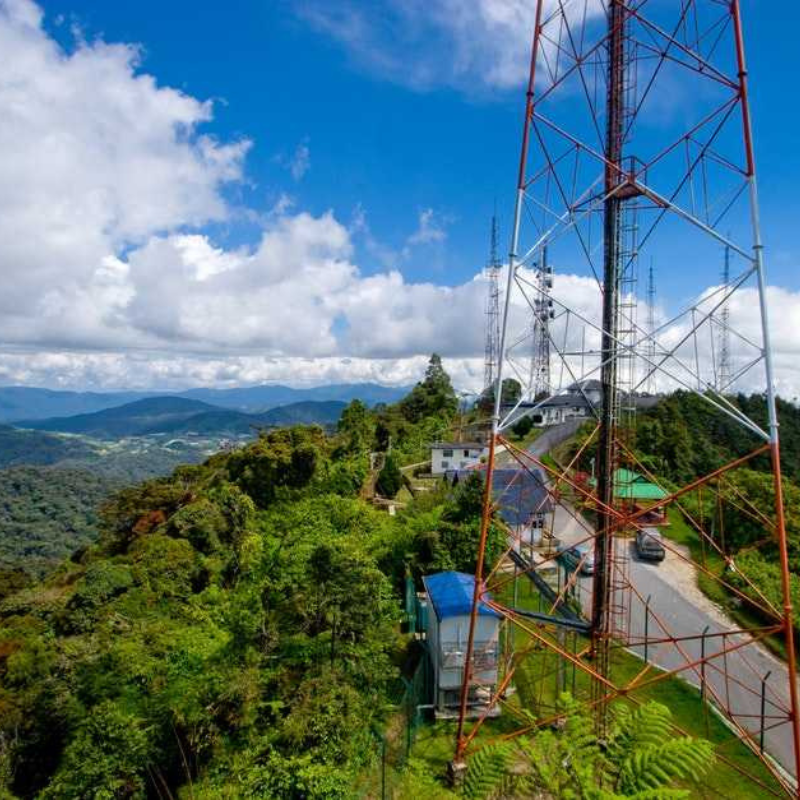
451	595
519	493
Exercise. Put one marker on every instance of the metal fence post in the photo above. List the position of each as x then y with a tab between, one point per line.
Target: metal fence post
383	768
703	663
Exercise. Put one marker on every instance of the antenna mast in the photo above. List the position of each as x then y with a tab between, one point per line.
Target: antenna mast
651	329
541	314
492	309
724	372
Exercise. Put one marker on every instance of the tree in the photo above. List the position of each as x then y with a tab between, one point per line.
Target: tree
357	427
511	393
390	479
431	397
522	427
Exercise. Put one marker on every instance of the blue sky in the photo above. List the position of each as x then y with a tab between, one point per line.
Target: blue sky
294	190
388	148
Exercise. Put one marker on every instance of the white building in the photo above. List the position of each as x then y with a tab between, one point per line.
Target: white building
447	456
449	596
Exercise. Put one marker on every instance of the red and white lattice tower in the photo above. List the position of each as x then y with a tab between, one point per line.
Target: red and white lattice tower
637	143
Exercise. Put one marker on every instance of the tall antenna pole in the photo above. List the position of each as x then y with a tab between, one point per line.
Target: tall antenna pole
651	328
541	314
493	269
724	371
601	622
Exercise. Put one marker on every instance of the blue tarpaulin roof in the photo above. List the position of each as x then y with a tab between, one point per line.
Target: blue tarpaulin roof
519	493
451	594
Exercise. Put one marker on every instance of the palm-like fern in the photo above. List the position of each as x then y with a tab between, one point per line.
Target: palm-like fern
644	755
640	761
488	772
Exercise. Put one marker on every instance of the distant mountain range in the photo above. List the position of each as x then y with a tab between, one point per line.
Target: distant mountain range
26	403
254	399
175	415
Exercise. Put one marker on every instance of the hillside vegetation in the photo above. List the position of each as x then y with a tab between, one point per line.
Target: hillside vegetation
235	631
45	515
37	448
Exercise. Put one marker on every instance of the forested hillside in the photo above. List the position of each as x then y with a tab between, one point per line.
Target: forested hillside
235	631
685	436
35	447
46	514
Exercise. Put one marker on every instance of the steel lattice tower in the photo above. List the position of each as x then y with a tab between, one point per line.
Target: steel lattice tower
493	269
606	175
541	314
724	369
650	357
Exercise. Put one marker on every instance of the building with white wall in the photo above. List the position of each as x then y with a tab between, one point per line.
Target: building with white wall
447	456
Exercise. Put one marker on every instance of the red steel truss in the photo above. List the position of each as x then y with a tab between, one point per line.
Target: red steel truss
637	141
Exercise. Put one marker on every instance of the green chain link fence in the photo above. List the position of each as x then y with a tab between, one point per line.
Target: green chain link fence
392	746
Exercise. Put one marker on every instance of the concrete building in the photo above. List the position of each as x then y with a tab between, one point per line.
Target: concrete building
446	456
559	409
556	409
449	597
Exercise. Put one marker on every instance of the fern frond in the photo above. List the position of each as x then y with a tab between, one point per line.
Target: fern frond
655	766
487	771
647	725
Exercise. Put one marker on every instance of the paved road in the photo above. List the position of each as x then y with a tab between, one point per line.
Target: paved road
549	438
679	609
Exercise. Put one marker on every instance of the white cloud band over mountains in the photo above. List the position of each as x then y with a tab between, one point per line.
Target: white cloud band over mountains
107	184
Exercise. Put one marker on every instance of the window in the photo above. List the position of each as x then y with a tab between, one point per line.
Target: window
466	454
445	465
447	453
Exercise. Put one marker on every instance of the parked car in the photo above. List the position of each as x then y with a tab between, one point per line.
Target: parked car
580	555
649	544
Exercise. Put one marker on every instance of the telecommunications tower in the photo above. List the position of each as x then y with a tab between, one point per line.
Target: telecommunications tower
607	176
541	313
724	369
493	269
651	330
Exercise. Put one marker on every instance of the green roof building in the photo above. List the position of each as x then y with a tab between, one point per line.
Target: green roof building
630	485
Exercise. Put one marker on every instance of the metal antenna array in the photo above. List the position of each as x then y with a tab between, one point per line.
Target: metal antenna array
541	314
650	357
606	176
493	269
724	369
